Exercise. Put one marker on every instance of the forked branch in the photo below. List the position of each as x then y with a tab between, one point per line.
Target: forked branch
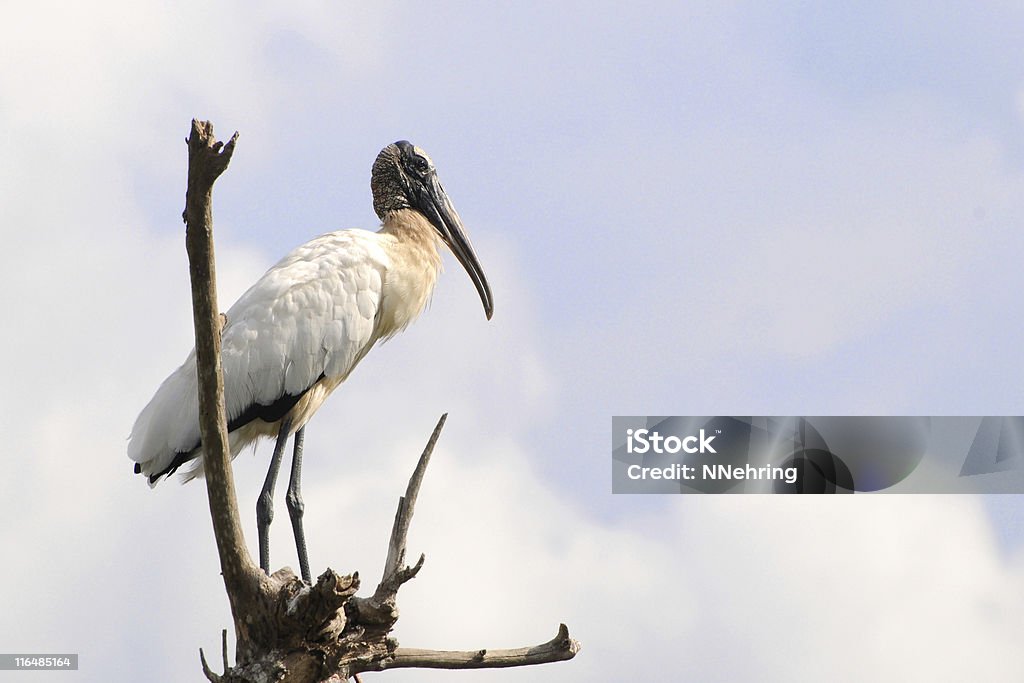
381	607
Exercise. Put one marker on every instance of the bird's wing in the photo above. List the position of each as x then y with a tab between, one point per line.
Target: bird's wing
312	315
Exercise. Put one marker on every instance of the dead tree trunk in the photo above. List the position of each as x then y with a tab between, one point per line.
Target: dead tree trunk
286	630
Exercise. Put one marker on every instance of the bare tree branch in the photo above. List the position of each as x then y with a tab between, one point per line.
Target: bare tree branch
207	671
558	649
381	607
207	159
224	647
406	505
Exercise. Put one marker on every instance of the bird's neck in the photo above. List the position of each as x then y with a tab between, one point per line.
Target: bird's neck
414	264
412	230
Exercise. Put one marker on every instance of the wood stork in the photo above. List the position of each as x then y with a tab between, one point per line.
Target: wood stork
297	333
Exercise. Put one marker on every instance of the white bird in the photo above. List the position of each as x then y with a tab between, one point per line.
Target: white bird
297	333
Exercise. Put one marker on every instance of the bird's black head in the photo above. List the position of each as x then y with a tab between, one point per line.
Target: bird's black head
398	173
403	177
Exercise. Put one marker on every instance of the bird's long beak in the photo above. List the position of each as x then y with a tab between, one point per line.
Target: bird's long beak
445	218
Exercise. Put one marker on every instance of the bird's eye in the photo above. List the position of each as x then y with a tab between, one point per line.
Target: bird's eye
419	165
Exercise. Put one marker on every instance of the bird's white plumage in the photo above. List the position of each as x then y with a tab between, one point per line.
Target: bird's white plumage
314	314
311	314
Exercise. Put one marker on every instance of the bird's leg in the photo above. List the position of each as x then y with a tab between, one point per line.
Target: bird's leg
265	503
295	505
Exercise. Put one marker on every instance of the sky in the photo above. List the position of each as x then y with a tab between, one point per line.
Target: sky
699	209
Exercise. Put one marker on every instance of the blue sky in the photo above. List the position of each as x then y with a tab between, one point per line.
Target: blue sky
718	208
